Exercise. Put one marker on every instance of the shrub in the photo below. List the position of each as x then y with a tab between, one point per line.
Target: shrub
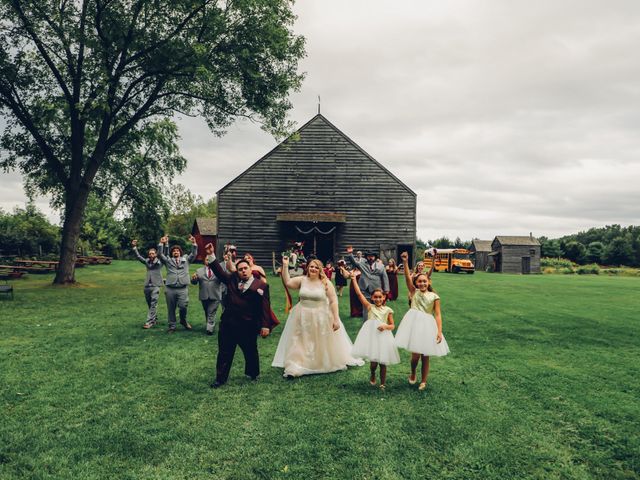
591	269
567	271
555	262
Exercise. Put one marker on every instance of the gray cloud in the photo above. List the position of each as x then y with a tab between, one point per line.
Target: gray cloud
505	117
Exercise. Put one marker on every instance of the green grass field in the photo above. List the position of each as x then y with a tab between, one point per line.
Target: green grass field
542	382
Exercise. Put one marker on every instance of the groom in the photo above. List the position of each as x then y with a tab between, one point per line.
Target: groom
246	315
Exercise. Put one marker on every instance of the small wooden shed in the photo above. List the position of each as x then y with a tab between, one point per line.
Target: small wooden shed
206	231
480	249
515	254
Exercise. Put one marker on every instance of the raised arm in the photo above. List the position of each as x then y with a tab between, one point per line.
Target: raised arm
365	303
134	244
228	263
223	276
161	251
194	249
350	258
433	264
407	272
293	283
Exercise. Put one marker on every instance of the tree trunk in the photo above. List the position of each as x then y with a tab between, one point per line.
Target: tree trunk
73	216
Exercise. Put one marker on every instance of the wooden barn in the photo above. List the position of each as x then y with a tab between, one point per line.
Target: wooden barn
515	254
321	188
480	250
206	231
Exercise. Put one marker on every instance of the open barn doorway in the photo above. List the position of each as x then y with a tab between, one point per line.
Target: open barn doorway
317	239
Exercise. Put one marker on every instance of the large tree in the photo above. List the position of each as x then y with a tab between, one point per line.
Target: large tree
80	80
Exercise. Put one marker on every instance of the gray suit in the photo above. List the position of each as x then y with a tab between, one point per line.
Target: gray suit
176	291
210	294
152	284
373	276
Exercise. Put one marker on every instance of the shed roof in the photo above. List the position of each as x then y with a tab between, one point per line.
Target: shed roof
206	226
319	118
517	240
481	245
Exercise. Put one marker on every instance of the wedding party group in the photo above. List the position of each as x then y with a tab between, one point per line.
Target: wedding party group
313	340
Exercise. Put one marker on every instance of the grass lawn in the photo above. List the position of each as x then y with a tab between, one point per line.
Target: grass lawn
542	382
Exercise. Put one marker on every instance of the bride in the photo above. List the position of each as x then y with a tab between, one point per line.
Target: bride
314	339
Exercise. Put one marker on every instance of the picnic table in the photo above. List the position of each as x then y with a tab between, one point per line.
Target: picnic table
12	271
37	266
96	259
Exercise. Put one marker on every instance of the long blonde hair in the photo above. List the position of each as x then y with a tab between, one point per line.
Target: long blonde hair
321	274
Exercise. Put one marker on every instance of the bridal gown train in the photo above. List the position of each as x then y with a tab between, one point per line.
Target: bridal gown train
308	344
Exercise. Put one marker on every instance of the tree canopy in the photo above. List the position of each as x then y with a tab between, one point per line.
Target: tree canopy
83	83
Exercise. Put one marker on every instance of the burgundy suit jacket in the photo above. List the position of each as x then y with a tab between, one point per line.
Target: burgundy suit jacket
249	309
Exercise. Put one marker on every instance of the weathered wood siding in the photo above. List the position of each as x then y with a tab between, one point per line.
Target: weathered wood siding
481	260
321	171
511	257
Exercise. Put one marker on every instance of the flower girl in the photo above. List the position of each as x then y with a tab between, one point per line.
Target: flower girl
420	330
375	340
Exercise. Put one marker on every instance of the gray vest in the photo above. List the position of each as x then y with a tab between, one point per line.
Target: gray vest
178	269
209	288
154	270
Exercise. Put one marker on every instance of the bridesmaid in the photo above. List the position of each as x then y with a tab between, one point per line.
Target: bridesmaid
392	273
341	279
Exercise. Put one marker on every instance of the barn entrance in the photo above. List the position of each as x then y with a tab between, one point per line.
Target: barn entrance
317	231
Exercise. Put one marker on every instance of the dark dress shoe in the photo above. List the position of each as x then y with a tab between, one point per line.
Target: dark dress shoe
171	330
186	325
216	384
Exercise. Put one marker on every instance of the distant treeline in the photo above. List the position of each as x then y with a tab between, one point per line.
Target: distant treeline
610	245
27	231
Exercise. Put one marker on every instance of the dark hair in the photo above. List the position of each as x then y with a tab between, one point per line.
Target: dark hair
377	290
242	260
415	280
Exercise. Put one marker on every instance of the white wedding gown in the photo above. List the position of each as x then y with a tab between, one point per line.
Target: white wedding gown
308	344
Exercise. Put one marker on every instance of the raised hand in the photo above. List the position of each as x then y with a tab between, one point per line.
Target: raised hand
285	260
349	249
404	256
192	239
208	248
164	240
134	243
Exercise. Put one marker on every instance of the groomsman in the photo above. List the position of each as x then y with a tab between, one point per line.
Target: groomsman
176	288
246	315
152	282
210	289
373	275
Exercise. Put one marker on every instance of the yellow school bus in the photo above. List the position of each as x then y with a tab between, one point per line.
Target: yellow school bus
453	260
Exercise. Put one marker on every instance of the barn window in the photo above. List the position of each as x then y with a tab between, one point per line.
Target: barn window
532	252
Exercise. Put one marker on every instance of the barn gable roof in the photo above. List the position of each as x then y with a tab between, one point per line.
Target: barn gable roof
206	226
300	132
517	240
481	245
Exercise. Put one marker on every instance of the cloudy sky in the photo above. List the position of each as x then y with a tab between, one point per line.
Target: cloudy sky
505	116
